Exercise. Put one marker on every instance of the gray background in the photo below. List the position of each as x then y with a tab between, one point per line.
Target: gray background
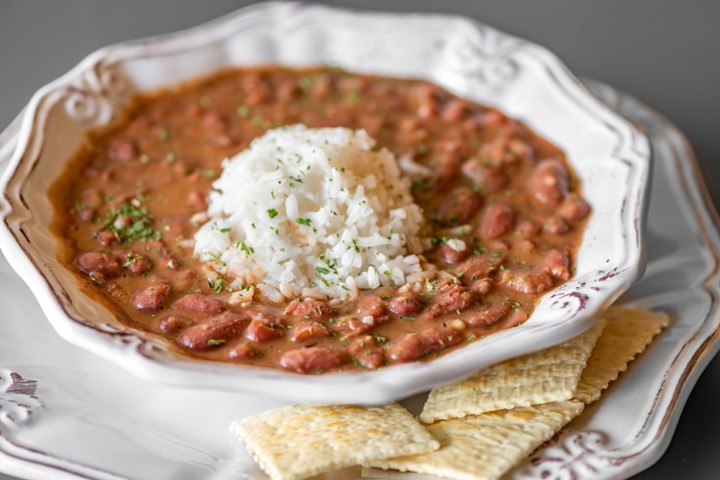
665	52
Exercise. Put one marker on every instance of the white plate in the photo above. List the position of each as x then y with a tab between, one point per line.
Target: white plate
468	58
66	414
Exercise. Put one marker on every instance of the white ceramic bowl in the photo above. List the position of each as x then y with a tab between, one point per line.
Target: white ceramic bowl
469	59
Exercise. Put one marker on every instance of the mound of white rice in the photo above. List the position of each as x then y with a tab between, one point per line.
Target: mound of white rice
311	213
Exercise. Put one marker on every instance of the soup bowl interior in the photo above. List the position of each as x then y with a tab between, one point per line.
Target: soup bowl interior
469	59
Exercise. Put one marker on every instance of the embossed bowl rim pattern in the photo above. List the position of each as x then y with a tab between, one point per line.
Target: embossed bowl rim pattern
464	56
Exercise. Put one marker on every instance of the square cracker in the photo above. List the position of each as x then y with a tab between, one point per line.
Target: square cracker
486	446
627	333
301	441
550	375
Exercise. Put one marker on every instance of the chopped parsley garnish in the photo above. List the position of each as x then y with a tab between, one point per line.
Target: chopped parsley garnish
131	221
304	221
216	341
130	259
217	284
322	271
272	213
245	248
242	111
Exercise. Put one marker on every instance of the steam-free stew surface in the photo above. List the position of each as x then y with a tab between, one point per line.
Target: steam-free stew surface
505	213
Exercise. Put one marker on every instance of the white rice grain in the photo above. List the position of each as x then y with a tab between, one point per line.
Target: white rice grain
312	213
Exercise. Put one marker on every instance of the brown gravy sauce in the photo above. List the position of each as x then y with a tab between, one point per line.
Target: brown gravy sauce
124	210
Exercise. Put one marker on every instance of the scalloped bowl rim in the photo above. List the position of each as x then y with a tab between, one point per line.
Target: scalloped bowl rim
139	352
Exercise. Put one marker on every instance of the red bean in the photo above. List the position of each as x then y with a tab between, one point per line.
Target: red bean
202	304
242	352
454	251
268	319
323	85
351	326
86	214
527	228
556	264
455	110
480	266
313	359
489	180
556	226
454	298
526	282
93	263
406	305
447	169
259	332
197	201
194	110
122	149
458	207
172	324
308	331
213	120
372	306
135	262
488	315
214	333
367	352
258	95
417	345
309	308
505	150
496	221
106	239
288	90
481	285
549	183
151	299
574	208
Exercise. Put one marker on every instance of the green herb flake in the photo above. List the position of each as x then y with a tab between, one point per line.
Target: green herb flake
216	341
217	284
242	111
245	248
322	270
131	221
272	213
304	221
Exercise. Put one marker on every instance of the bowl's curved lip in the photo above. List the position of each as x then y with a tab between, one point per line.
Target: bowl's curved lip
137	353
